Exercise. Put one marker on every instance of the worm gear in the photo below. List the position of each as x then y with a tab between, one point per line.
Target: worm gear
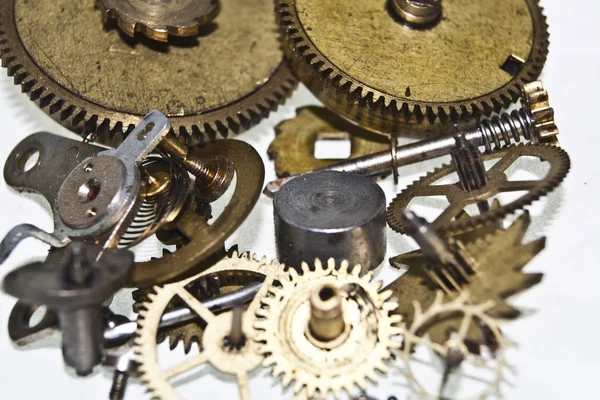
211	86
158	19
316	366
498	183
364	64
232	271
499	258
456	351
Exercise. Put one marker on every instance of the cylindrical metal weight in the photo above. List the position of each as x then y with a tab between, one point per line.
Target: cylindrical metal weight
330	214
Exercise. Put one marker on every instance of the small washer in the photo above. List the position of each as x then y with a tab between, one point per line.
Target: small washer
330	214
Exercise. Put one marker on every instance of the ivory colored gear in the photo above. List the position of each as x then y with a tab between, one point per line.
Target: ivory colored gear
468	314
237	362
100	83
158	19
317	367
364	64
497	183
500	257
294	146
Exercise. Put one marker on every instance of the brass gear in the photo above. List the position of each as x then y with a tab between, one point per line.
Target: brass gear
499	256
294	146
316	367
158	19
468	315
233	270
100	83
498	183
365	65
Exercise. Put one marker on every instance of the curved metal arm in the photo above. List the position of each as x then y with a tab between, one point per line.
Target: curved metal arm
21	232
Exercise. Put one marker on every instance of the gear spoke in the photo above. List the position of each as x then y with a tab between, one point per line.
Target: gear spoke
464	327
196	305
436	190
516	186
185	366
242	381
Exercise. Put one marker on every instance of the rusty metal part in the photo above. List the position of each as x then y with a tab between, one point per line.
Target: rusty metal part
532	123
485	359
318	367
418	13
204	239
75	288
330	214
158	19
294	146
216	85
363	64
500	257
498	183
239	361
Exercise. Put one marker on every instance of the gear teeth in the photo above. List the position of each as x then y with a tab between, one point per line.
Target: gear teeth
323	77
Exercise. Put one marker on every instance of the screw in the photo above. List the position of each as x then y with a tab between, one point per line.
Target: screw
533	122
418	13
124	365
212	178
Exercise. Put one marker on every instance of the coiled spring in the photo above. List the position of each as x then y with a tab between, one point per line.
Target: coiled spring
506	129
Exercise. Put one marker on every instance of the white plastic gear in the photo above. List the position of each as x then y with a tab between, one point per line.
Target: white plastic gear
238	363
415	335
316	371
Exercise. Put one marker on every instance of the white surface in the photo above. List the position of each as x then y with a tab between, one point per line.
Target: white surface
557	357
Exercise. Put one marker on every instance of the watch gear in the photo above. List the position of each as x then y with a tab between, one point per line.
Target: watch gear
365	64
456	350
294	146
319	366
498	183
499	259
211	86
158	19
238	361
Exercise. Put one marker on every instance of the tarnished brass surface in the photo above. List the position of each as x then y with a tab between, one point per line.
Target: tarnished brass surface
364	64
204	239
500	256
86	76
294	146
158	19
497	183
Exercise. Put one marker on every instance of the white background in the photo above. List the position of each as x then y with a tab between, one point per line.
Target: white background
558	355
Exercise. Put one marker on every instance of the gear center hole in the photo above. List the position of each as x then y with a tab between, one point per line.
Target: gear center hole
89	190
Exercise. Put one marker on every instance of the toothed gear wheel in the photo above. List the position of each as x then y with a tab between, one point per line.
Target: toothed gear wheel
318	368
364	64
233	271
497	183
158	19
416	336
100	83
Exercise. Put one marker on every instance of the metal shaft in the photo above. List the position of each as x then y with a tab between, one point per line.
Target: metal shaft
492	133
236	335
119	385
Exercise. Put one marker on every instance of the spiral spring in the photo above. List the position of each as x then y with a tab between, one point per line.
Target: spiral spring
157	210
506	129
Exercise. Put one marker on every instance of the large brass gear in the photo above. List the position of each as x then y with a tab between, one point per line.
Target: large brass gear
158	19
499	256
365	65
232	271
468	314
210	86
498	183
318	368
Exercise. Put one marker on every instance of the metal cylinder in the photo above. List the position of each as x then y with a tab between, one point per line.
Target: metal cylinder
326	317
82	341
330	214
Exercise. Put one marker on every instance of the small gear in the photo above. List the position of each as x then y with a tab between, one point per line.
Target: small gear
364	64
499	256
317	366
158	19
210	86
455	352
232	271
497	183
294	146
